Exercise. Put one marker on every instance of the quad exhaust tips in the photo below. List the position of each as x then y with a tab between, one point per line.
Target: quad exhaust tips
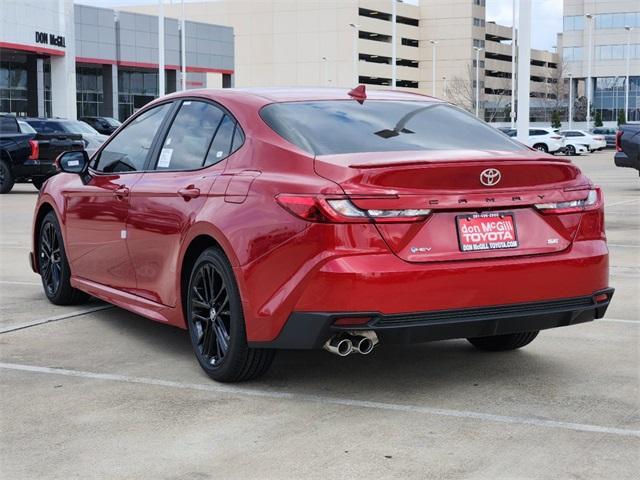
352	342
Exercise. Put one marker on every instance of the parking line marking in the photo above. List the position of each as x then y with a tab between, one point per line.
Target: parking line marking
11	282
623	202
347	402
618	320
64	316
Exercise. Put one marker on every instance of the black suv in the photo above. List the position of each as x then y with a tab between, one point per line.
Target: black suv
104	125
29	157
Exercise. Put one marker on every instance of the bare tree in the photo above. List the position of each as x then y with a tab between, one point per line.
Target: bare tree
461	90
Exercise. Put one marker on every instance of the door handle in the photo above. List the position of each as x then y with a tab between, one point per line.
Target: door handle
189	192
121	192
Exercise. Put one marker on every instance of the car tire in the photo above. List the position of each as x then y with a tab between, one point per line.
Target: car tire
542	147
571	150
497	343
216	323
6	177
38	182
53	265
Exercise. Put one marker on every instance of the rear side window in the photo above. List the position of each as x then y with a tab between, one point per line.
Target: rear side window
221	146
187	143
129	149
8	125
345	126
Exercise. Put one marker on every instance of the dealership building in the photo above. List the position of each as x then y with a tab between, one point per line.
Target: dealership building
64	60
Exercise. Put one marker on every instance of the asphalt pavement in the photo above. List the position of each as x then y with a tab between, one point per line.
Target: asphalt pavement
93	391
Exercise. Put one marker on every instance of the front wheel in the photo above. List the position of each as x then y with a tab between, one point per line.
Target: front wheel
54	267
216	322
498	343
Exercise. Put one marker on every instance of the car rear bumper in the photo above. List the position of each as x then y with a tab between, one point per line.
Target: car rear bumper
391	287
621	159
34	168
309	330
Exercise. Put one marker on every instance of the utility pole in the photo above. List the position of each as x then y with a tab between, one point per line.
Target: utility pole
477	49
433	43
394	67
356	28
626	84
570	102
589	62
161	89
513	65
183	50
524	69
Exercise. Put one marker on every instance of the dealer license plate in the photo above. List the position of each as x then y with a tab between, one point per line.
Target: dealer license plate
486	231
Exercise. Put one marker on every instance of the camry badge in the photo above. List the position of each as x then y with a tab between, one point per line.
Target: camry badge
490	177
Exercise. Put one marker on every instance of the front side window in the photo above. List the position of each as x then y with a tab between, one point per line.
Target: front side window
346	126
129	149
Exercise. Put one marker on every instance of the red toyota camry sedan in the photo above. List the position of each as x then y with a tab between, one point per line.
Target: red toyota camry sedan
269	219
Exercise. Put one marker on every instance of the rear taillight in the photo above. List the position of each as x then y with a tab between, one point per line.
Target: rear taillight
598	138
590	202
619	140
322	209
35	150
555	137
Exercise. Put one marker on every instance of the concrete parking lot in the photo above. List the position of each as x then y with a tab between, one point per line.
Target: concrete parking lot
96	392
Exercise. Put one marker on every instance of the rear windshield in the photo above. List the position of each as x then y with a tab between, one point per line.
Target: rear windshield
346	126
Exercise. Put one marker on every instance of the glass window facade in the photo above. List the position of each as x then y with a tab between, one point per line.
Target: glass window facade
136	89
14	84
89	91
617	52
573	22
572	54
618	20
609	95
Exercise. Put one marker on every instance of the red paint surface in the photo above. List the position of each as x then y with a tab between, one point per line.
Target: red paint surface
284	264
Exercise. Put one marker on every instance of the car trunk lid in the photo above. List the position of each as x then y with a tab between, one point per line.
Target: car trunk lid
466	191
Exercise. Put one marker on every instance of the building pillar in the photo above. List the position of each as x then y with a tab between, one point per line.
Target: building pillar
110	91
63	70
40	82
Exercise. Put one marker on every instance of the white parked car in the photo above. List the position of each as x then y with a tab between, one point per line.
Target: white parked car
543	139
592	142
574	148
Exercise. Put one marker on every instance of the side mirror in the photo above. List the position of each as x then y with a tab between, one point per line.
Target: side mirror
76	161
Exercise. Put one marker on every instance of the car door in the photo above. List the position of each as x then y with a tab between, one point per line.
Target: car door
96	210
164	204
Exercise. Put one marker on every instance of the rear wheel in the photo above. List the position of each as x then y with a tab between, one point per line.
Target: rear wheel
6	177
216	322
54	268
497	343
571	150
542	147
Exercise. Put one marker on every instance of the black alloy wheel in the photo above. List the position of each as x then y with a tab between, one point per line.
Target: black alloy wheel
216	325
210	314
50	259
53	266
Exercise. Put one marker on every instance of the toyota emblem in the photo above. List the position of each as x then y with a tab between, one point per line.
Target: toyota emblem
490	177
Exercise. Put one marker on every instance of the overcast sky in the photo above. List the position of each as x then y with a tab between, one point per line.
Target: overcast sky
547	16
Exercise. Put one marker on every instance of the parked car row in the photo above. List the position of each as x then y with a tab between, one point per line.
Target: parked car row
29	146
570	142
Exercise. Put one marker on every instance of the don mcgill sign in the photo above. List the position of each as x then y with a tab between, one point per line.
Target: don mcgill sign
50	39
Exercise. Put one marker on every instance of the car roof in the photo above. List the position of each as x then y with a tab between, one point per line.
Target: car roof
298	94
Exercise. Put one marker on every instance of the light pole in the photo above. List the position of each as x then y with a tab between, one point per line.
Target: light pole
394	67
444	87
589	17
626	84
161	89
524	69
477	49
570	102
356	29
513	65
433	43
183	53
326	71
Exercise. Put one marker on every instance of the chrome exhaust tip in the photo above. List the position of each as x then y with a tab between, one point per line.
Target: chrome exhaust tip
363	345
340	346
